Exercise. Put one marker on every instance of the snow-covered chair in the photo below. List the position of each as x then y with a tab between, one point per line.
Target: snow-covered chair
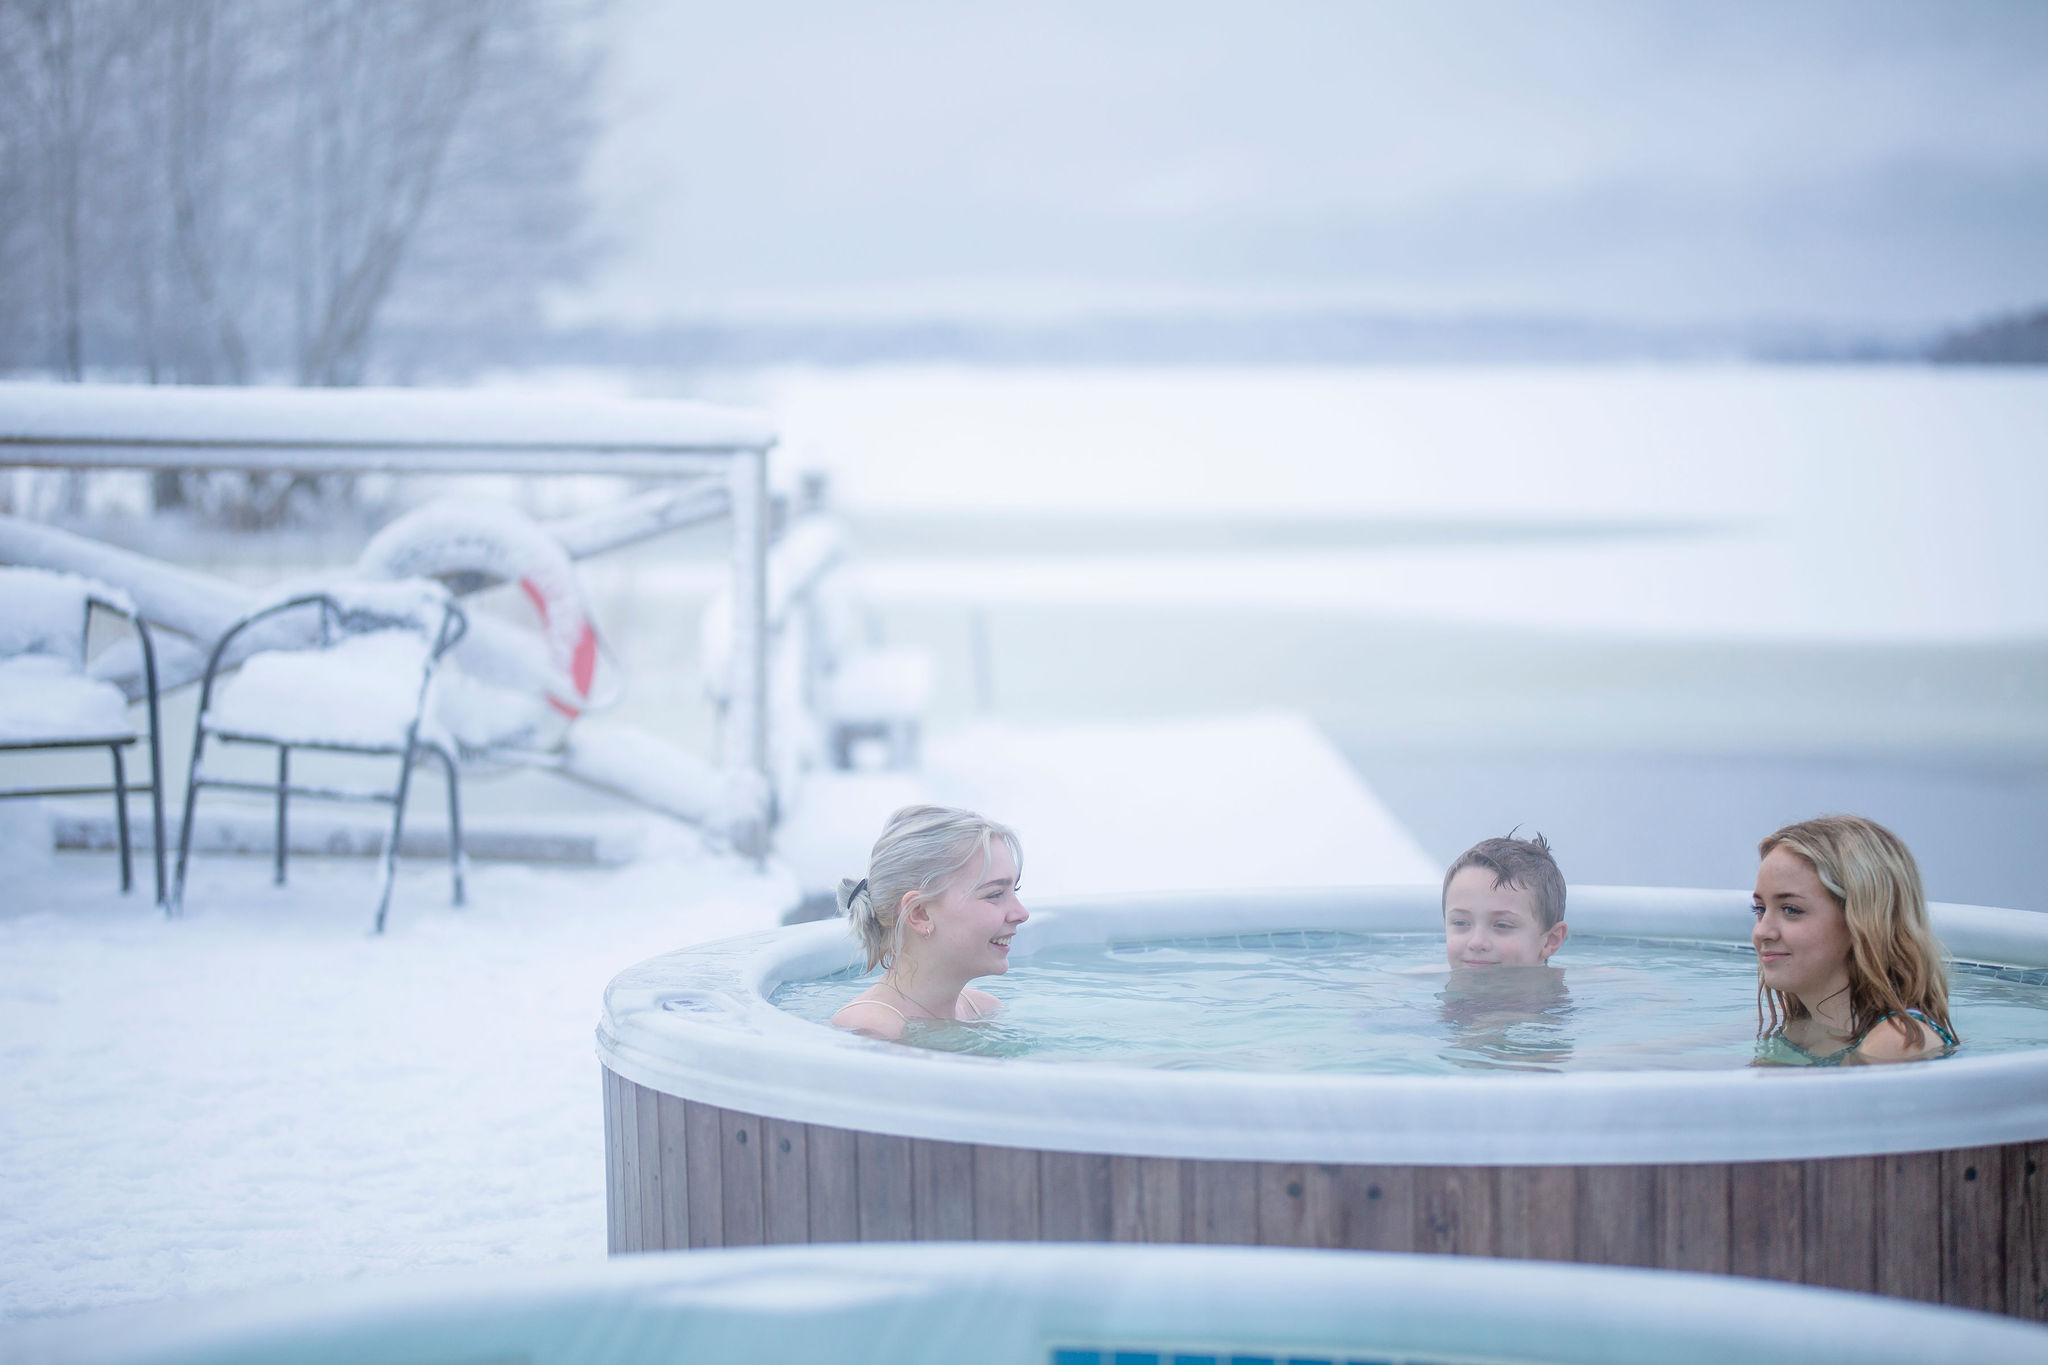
829	691
876	695
349	668
50	700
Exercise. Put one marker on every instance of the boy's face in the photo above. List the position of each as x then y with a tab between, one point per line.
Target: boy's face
1494	926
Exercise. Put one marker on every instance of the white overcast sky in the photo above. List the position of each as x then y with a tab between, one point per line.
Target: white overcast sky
1864	162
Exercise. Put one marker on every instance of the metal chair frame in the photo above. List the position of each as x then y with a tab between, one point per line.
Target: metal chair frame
351	621
121	788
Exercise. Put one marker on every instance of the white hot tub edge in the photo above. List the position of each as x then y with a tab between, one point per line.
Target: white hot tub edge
698	1024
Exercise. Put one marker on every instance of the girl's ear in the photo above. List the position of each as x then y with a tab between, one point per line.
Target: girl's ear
915	914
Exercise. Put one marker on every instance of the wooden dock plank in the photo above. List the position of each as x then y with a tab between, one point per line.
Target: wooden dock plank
833	1180
884	1187
1907	1227
1973	1228
739	1159
785	1181
1005	1194
1538	1212
701	1150
1692	1218
1073	1197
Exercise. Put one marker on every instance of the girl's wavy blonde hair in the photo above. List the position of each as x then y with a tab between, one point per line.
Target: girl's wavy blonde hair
1894	959
920	850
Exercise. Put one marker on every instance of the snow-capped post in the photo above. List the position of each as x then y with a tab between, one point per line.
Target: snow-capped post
746	738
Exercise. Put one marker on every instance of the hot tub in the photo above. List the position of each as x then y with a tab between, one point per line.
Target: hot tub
730	1122
1013	1305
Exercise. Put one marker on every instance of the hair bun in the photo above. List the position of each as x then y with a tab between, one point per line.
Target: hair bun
852	895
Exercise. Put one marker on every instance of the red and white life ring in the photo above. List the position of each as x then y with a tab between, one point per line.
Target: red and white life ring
476	545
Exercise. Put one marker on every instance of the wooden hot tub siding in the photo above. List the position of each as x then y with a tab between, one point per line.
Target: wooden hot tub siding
1967	1227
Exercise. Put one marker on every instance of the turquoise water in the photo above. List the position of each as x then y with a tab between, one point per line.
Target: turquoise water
1338	1002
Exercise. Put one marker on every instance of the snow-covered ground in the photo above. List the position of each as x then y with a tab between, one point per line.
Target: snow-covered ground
1238	801
262	1094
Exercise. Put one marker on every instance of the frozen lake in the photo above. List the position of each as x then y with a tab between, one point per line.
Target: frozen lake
1653	612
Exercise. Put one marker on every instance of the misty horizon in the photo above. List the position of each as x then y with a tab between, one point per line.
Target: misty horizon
1876	168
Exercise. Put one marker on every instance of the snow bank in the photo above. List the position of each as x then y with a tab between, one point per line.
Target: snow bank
260	1094
1228	802
730	804
27	838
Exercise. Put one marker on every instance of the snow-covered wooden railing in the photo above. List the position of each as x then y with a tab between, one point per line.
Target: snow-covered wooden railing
415	431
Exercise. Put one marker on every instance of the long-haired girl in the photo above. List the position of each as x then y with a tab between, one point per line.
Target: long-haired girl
1848	970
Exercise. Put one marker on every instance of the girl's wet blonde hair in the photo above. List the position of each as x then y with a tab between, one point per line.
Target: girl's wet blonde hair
920	850
1894	959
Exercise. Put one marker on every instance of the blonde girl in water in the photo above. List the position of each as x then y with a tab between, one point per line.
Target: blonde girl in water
1848	971
937	909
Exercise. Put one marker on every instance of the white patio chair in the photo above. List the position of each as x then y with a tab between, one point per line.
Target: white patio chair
348	669
49	699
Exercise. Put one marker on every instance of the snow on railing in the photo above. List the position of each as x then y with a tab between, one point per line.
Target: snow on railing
103	426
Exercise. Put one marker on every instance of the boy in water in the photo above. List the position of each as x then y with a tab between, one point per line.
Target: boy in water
1503	905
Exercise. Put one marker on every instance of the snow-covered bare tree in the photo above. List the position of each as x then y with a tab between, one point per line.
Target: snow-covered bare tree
241	191
57	63
235	191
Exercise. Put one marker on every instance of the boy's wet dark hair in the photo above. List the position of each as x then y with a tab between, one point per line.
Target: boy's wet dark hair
1522	863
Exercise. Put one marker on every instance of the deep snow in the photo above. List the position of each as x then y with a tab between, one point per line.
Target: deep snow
262	1094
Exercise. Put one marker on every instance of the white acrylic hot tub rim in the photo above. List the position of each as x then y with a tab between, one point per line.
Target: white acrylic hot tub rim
1012	1304
698	1024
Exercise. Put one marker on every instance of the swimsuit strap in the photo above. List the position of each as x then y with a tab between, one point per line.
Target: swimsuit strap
889	1007
1947	1038
1818	1059
906	1018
